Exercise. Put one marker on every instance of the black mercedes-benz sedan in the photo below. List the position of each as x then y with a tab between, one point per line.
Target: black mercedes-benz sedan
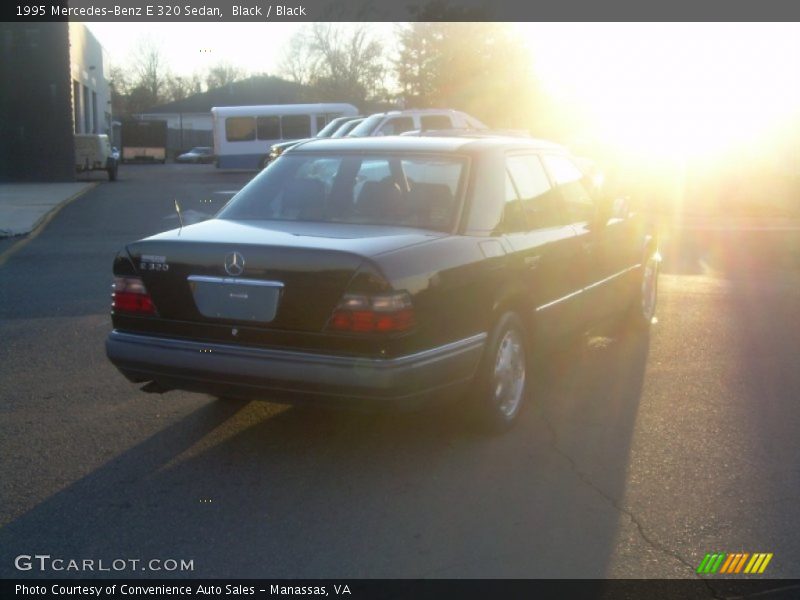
384	270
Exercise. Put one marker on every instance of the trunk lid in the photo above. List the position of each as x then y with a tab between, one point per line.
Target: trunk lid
287	276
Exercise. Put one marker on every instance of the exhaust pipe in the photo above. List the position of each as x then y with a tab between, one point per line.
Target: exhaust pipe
154	387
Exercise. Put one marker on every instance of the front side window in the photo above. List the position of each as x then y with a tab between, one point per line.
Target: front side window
409	191
240	129
539	203
578	202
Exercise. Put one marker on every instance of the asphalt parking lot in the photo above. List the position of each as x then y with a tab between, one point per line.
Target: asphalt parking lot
636	456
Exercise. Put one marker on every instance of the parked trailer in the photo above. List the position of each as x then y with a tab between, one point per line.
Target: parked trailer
93	152
144	141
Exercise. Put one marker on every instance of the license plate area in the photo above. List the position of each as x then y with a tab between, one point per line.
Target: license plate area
236	299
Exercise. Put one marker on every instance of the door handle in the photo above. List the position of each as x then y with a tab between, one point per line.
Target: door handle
587	246
532	261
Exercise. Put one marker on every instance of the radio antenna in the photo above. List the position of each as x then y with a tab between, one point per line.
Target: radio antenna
180	218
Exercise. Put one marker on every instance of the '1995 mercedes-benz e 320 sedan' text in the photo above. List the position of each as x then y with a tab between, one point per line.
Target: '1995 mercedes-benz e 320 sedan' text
383	269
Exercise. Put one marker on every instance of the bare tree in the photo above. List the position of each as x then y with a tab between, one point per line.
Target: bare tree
150	69
179	87
138	100
222	74
297	63
119	85
342	62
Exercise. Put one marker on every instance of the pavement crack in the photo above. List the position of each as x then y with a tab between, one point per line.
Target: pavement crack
650	541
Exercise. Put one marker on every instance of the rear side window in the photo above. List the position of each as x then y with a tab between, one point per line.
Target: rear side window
397	125
269	128
296	126
240	129
578	203
539	203
435	122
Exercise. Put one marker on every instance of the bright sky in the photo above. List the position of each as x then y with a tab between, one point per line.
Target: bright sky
692	89
191	47
664	87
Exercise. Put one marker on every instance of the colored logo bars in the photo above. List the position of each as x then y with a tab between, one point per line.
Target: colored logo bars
742	562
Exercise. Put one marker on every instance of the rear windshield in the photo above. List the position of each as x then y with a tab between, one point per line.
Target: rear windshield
418	191
346	128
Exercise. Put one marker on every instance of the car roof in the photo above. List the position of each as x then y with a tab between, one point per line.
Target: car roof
417	111
459	144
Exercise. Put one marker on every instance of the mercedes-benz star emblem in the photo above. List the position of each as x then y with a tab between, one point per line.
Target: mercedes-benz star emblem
234	264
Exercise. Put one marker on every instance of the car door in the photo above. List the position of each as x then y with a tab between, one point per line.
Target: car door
547	247
603	239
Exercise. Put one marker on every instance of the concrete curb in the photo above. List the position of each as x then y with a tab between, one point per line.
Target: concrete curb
41	223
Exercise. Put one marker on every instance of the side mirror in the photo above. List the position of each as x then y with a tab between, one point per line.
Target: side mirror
610	207
605	209
621	208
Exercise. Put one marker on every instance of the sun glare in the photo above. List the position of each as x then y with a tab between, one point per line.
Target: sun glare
673	90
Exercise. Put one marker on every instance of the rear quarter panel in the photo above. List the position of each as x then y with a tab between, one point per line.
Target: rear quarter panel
452	284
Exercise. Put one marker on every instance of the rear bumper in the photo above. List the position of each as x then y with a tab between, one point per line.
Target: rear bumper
247	372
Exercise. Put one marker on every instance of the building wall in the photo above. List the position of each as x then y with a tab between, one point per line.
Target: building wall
36	141
53	83
91	95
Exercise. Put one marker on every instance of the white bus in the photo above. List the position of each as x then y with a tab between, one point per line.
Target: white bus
244	134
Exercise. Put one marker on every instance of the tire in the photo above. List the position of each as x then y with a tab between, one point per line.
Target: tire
501	382
642	307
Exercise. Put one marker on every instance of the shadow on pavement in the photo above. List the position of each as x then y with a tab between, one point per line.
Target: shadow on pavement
245	492
766	469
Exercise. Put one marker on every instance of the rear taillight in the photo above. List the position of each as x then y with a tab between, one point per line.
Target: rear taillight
130	296
378	313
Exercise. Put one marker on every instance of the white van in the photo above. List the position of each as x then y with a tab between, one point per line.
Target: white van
243	134
421	119
93	153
